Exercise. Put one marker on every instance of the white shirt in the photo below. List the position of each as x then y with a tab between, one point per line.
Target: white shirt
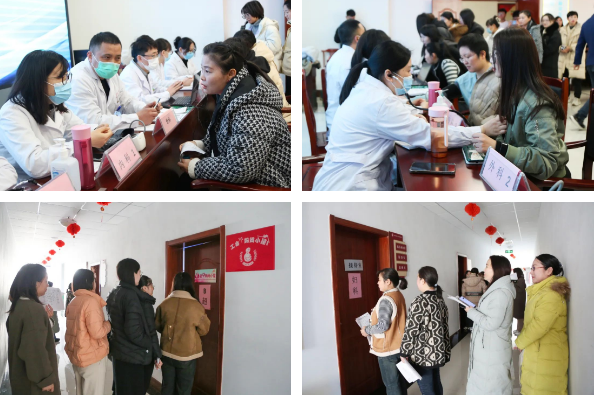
142	85
25	143
365	128
8	175
175	68
159	77
337	70
88	100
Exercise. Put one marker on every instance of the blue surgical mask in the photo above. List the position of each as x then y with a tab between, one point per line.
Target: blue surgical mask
406	83
168	56
489	31
63	90
189	55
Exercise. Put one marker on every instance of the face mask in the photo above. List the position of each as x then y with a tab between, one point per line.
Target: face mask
514	22
106	69
62	92
153	64
406	83
168	56
189	55
489	31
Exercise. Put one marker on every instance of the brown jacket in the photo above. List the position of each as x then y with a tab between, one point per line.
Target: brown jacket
32	359
473	287
520	300
86	329
181	320
458	31
388	343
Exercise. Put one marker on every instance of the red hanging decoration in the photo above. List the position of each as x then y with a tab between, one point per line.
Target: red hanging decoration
73	229
499	240
103	205
48	259
513	256
60	243
490	230
44	262
472	209
52	252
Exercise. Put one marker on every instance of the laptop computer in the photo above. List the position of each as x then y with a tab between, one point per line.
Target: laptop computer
187	101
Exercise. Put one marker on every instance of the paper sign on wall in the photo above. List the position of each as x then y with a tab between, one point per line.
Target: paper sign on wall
502	175
53	297
355	286
205	276
353	265
400	246
204	295
123	157
251	250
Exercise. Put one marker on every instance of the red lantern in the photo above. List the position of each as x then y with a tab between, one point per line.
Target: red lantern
52	252
60	243
472	209
103	205
513	256
44	262
48	259
490	230
73	229
499	240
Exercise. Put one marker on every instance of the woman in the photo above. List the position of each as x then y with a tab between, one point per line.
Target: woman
443	66
492	29
286	57
165	53
147	301
265	29
179	65
86	335
430	34
32	361
386	327
131	344
247	139
525	21
520	300
34	115
534	114
559	21
551	42
426	340
490	364
368	41
370	118
467	19
69	295
456	29
181	313
544	337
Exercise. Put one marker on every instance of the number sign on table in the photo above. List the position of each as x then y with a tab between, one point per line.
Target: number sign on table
123	157
502	175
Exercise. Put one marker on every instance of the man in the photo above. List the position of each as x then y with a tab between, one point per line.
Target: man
473	287
339	66
98	95
480	86
503	24
139	75
586	37
569	39
515	17
350	15
525	21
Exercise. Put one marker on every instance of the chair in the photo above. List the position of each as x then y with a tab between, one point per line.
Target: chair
561	88
330	52
324	92
316	148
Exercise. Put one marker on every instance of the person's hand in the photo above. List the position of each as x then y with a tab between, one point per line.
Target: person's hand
494	127
148	113
188	81
100	136
467	309
49	388
566	50
159	107
420	102
576	66
363	333
421	116
482	142
181	145
158	364
49	311
183	164
175	87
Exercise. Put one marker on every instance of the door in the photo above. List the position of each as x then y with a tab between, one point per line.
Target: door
359	370
96	269
203	251
462	267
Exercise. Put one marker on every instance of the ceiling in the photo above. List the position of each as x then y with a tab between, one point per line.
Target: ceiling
38	222
517	222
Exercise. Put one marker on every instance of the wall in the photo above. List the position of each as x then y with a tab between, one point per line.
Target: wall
430	241
483	10
572	247
257	304
7	273
273	9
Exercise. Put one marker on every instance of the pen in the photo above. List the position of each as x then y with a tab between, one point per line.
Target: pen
158	101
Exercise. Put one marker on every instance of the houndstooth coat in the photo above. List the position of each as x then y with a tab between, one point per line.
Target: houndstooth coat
252	137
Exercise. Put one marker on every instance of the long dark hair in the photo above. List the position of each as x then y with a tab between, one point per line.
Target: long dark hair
467	17
519	272
440	49
429	274
184	282
388	55
548	261
392	275
227	58
448	15
29	89
368	41
25	284
516	56
501	267
83	279
431	32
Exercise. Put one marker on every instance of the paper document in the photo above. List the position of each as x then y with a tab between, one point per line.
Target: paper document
191	147
364	320
409	373
417	91
186	88
462	300
53	297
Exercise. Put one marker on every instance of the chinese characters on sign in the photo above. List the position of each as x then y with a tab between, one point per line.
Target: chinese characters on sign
355	290
252	250
204	295
123	157
353	265
166	121
500	174
205	276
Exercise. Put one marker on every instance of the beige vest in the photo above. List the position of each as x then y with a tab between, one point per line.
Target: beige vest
388	343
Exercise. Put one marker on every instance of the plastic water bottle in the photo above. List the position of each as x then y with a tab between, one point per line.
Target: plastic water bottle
66	164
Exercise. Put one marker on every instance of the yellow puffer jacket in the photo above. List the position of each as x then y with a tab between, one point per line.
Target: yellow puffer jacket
544	338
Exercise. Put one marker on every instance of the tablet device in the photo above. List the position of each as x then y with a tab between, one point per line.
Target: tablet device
433	168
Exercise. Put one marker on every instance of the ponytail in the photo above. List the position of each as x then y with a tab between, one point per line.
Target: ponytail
228	57
548	261
392	275
351	80
429	275
439	291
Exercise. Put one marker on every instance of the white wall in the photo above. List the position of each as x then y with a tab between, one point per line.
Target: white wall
564	230
273	9
256	353
430	241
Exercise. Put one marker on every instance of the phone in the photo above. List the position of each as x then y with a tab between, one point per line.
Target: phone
433	168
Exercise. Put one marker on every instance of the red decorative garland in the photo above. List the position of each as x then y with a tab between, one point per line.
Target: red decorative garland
499	240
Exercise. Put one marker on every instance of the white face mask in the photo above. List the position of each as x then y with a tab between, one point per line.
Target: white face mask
153	64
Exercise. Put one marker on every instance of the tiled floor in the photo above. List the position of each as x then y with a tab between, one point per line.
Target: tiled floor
572	133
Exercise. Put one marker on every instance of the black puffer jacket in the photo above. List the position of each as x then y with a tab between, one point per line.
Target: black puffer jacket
476	29
130	339
551	42
148	302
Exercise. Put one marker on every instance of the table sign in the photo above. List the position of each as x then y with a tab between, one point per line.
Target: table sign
60	183
502	175
166	121
355	286
123	157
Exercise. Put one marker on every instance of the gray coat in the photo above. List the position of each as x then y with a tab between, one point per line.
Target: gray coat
534	31
490	364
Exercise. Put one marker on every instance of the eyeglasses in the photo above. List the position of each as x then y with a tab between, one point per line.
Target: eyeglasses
67	77
246	16
533	268
150	56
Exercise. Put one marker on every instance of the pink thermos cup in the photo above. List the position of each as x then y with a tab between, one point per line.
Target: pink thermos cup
83	152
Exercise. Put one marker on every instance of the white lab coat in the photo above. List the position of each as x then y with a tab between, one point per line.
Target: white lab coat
365	128
25	143
143	86
8	175
175	68
269	32
162	82
89	103
337	71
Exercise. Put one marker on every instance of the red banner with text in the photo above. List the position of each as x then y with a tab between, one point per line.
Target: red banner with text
251	250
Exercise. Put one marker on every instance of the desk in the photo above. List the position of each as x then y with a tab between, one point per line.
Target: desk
467	177
158	170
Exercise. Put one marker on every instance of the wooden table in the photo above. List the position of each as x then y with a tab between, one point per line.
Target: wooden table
467	177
